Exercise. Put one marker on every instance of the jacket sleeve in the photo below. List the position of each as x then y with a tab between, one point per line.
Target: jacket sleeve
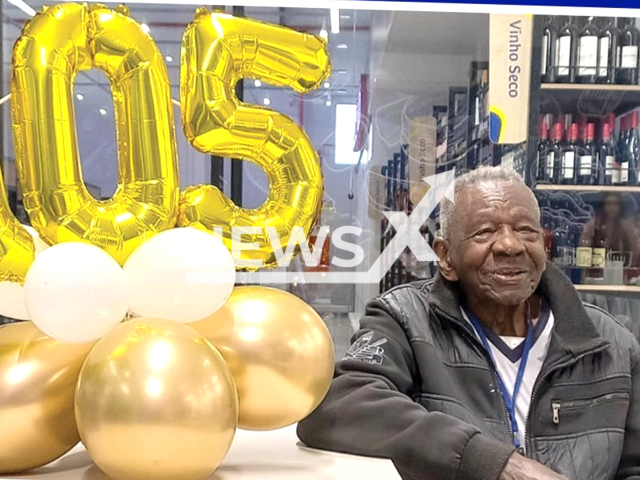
369	411
629	468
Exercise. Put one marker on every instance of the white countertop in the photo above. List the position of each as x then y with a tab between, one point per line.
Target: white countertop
274	455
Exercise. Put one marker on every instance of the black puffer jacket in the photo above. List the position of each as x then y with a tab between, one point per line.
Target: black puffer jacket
418	388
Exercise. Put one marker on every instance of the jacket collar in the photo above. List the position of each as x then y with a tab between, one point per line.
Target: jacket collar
574	332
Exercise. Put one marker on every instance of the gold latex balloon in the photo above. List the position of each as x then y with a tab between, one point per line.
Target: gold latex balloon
57	43
37	384
155	401
218	50
279	351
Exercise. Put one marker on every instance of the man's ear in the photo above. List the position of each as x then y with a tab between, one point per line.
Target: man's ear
441	249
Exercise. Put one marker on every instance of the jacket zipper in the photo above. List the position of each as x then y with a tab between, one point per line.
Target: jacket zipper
542	378
494	374
568	405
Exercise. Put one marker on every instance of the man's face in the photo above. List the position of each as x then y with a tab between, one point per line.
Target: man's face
495	247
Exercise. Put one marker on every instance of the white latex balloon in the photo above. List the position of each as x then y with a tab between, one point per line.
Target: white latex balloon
75	292
40	244
157	274
12	303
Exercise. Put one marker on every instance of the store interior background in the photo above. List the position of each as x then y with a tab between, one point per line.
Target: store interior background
409	57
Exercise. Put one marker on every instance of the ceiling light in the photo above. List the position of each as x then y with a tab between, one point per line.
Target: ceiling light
346	17
79	96
266	101
342	46
103	111
328	103
257	83
341	72
342	91
169	58
324	33
335	20
327	84
145	28
22	5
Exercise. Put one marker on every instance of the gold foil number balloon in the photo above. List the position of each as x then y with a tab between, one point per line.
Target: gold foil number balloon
53	47
155	401
218	50
279	351
37	385
17	249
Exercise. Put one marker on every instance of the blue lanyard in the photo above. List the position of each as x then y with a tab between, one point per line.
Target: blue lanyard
509	400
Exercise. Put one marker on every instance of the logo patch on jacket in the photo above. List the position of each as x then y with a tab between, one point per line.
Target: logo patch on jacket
365	351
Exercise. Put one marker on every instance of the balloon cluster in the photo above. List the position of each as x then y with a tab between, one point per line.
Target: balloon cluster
128	348
159	395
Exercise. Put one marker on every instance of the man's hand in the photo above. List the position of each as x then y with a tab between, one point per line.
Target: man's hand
522	468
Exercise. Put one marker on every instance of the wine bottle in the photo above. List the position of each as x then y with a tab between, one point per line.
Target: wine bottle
607	157
542	174
588	165
621	147
608	53
549	39
633	150
567	52
562	250
627	150
569	157
554	153
599	257
588	52
628	48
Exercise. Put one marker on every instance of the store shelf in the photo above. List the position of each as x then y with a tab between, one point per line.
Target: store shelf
582	87
594	100
588	188
609	288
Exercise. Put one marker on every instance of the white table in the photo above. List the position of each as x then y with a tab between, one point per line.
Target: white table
275	455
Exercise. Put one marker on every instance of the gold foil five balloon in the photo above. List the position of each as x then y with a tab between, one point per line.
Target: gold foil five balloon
218	50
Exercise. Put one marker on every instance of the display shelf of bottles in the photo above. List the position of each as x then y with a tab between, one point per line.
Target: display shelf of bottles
588	188
608	288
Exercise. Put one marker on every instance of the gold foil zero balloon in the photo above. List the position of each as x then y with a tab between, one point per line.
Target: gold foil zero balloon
57	43
218	50
279	351
155	401
37	385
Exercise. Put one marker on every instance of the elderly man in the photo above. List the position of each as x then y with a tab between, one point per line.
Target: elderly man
494	371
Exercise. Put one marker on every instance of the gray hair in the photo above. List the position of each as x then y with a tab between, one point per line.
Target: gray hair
497	175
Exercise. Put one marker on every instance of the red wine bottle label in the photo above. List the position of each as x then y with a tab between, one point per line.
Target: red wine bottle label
550	163
545	44
587	55
616	173
564	54
604	57
568	164
585	165
624	172
629	56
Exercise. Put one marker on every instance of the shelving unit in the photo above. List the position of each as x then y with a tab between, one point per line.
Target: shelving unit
609	288
589	99
593	101
588	188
